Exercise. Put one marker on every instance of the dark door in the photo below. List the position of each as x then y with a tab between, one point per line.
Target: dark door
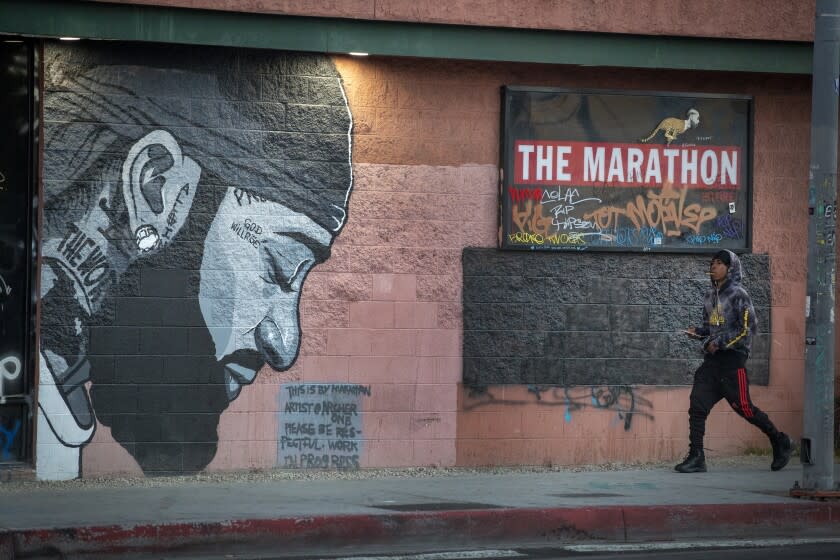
17	179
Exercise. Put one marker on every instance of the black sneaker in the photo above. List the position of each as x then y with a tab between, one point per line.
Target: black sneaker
694	462
782	450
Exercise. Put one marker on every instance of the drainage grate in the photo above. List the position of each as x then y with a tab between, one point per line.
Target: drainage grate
436	506
587	495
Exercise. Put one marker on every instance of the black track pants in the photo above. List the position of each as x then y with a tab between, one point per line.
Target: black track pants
723	375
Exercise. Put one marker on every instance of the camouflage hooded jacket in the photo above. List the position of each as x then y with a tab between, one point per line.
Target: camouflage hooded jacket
728	315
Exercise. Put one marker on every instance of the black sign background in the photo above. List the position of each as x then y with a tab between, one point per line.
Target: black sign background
608	215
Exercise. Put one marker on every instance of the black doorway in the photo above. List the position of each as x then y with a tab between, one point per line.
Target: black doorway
18	172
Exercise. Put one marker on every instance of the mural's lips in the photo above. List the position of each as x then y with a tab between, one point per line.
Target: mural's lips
241	368
235	377
250	359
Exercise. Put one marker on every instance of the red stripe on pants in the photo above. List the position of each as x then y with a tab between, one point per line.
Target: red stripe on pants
742	389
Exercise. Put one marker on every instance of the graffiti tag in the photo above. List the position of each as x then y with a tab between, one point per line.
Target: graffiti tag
7	439
573	238
731	227
619	399
529	217
9	370
666	211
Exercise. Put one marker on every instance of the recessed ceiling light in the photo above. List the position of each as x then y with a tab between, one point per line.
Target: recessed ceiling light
68	38
356	53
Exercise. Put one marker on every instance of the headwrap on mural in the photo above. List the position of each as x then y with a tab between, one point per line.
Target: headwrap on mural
311	154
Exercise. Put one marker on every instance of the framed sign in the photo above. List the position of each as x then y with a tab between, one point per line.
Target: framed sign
628	171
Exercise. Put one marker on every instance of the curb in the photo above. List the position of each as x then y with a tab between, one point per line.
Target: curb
607	523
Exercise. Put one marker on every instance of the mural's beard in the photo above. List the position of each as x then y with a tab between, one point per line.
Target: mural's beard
164	409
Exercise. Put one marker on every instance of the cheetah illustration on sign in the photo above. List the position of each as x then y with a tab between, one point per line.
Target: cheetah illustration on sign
675	126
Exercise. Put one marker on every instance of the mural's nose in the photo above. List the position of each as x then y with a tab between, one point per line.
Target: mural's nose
278	344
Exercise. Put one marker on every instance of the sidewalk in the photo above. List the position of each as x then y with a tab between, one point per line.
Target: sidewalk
456	508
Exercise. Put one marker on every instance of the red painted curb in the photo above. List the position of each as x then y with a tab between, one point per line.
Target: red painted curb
731	519
609	523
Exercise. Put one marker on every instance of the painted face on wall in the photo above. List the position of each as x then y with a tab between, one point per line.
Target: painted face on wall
256	257
201	285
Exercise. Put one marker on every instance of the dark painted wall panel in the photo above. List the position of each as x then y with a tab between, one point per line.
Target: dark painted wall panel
594	318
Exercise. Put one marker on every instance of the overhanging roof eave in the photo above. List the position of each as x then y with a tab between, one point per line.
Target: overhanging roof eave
121	22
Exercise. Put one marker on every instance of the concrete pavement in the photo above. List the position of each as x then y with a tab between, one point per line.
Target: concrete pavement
455	508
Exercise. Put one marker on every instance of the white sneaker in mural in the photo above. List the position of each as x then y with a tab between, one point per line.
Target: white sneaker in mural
63	399
65	419
65	414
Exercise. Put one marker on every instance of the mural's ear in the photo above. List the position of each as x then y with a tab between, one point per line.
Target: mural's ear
159	186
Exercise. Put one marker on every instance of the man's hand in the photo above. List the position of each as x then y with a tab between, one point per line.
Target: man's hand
711	348
691	332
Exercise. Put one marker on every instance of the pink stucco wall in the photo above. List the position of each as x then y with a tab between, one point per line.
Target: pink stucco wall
425	148
746	19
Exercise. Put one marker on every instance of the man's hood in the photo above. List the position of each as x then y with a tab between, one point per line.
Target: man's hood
735	273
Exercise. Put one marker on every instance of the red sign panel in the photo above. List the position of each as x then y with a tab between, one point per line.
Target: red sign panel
584	164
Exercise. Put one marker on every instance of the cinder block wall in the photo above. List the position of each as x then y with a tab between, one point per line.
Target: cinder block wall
570	319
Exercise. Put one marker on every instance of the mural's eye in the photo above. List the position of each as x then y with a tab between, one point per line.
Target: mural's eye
273	272
285	263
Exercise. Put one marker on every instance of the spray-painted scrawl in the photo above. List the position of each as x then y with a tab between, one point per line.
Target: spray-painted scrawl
188	194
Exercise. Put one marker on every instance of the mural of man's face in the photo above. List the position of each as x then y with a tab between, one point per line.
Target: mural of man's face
204	278
256	257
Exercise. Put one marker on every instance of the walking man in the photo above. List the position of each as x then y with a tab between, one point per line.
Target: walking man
728	326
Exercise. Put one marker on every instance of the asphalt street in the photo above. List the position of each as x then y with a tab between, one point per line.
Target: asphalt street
742	549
